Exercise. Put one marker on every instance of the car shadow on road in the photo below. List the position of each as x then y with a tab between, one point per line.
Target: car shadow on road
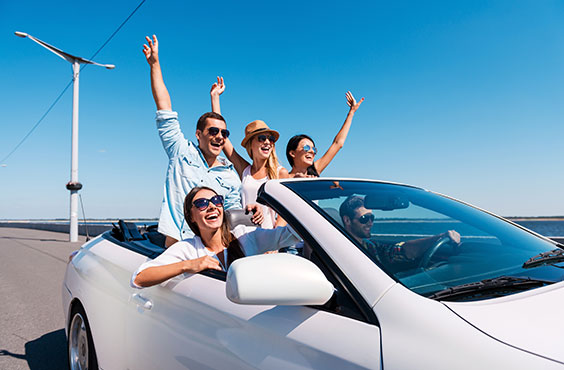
48	351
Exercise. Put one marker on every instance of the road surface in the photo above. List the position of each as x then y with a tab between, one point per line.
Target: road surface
32	267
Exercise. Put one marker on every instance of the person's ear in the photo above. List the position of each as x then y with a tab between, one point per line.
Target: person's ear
292	153
198	134
346	220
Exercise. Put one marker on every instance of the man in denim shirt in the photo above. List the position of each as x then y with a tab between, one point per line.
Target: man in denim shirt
189	165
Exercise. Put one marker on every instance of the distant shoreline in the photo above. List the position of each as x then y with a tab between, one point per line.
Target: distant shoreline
536	218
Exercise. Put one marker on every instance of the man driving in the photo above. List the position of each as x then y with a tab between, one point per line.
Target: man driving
358	222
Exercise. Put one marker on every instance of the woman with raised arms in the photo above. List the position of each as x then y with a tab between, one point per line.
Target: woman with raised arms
215	246
301	149
259	143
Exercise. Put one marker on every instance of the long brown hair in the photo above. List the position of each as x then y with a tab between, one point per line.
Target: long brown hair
293	145
271	162
227	238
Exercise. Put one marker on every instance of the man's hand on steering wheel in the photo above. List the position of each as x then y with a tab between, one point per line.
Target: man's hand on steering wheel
449	237
453	235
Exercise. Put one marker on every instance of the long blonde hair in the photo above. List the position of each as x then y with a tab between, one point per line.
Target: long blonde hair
271	163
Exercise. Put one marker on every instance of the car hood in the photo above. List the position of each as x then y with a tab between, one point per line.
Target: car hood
530	321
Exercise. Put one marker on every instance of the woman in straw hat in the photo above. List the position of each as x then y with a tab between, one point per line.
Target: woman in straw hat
259	142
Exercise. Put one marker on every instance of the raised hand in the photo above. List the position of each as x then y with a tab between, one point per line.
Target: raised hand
218	87
151	50
352	102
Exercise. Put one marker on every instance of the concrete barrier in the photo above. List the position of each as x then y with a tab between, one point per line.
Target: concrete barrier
93	229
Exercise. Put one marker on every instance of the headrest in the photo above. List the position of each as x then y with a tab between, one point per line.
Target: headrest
237	217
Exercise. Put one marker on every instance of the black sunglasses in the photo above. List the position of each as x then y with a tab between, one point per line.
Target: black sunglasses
213	131
364	219
262	138
202	203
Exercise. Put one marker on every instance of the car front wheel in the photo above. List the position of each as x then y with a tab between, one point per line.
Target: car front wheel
80	345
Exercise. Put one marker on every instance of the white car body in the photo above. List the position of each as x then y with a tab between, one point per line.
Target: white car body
189	323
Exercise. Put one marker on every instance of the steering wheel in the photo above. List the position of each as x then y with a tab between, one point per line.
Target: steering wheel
429	253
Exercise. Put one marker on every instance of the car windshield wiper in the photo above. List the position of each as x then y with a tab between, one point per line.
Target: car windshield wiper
553	256
497	287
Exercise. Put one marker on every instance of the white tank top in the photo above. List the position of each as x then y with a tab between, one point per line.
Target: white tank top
249	189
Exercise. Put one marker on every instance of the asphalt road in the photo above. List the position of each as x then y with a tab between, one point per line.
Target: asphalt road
32	267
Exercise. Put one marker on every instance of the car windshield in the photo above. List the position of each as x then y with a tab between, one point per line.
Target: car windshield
429	242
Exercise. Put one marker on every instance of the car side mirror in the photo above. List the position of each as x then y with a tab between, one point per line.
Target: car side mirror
277	279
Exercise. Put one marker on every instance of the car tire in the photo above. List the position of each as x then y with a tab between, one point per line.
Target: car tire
80	347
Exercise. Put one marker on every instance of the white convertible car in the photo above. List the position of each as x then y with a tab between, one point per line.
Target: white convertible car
491	301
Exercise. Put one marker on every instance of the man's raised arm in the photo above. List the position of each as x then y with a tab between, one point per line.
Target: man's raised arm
160	93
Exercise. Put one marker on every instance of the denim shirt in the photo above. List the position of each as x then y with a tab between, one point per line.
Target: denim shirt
187	169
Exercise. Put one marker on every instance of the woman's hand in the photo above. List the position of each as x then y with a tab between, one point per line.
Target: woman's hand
201	264
258	216
218	87
151	51
352	102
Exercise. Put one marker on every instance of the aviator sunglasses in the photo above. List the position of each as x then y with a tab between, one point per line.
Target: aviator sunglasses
364	219
202	203
262	138
213	131
307	148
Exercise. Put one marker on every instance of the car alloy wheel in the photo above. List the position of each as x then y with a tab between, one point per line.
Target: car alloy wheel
80	346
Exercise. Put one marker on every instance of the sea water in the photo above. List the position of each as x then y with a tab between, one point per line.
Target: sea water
544	227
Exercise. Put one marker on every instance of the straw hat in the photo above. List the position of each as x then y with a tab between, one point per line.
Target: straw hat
255	128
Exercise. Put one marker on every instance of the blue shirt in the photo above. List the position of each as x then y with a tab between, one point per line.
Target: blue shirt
187	169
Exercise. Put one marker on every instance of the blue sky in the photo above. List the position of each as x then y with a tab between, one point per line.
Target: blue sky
463	98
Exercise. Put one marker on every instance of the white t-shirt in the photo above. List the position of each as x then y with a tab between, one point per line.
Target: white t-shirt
249	189
252	240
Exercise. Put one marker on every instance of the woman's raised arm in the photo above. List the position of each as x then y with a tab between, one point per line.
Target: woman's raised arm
339	140
238	162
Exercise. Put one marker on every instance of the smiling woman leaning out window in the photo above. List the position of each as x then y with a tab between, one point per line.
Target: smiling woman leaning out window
215	246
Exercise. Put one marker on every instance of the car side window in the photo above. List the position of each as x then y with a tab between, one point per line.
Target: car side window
346	301
342	302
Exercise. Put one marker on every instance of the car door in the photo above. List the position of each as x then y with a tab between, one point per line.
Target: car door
192	325
188	323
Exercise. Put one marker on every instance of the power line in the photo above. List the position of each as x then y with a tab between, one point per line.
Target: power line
117	30
38	122
70	82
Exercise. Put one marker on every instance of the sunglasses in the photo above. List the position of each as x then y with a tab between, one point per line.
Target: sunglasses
308	148
213	131
202	203
364	219
262	138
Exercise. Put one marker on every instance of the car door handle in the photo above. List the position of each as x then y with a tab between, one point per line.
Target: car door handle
142	301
